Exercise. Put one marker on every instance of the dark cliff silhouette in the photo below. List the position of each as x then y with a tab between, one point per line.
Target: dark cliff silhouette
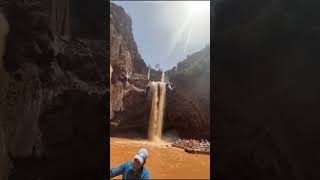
266	89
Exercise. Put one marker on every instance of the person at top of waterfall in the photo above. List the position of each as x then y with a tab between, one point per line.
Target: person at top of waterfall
169	86
133	169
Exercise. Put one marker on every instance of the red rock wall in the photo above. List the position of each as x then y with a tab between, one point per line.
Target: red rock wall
129	76
188	106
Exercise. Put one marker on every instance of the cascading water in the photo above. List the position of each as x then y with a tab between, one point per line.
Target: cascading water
154	111
149	74
162	77
157	109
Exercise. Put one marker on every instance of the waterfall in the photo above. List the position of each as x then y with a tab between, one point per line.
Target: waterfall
162	76
149	74
154	111
161	107
158	90
111	70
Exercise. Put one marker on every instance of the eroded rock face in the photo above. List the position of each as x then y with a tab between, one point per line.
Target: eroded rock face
129	76
4	159
188	106
52	115
267	90
4	30
43	115
122	44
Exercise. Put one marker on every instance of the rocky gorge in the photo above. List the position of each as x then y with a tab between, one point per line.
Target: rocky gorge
54	73
187	111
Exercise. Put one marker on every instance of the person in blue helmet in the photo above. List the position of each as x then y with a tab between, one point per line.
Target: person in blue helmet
133	169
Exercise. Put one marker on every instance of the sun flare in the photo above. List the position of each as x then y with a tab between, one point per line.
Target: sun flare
198	7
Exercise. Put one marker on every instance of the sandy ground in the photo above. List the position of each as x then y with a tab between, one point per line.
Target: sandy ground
164	162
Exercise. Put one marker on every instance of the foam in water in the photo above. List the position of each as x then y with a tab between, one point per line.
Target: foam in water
158	90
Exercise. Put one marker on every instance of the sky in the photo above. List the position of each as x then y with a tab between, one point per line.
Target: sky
167	31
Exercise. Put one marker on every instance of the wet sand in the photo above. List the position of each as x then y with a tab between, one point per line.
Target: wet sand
164	162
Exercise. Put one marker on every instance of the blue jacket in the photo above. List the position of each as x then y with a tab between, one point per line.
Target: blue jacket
127	173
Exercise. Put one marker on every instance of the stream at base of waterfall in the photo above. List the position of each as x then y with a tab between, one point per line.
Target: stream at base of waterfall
164	161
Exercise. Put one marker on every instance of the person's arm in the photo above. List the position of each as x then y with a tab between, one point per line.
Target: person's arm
146	176
118	170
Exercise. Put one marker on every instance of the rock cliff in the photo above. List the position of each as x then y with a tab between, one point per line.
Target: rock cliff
52	116
188	106
266	89
129	76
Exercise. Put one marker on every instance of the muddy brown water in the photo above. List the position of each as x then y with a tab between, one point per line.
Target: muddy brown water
164	162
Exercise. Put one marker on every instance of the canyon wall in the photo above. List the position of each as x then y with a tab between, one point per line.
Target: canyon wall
266	89
188	106
52	107
128	107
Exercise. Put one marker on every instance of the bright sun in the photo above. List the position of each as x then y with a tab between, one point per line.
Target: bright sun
198	7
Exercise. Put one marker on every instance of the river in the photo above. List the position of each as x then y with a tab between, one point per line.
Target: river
164	161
